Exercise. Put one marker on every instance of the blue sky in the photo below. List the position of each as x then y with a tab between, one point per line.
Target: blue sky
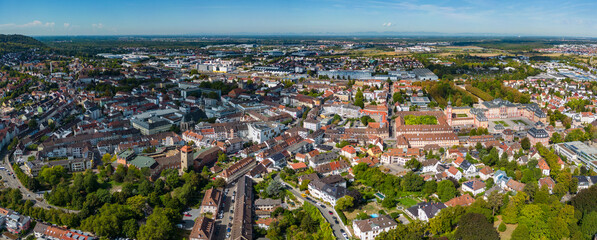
134	17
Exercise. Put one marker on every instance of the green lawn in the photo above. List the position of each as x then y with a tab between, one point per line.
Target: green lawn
369	208
420	120
502	123
407	202
519	122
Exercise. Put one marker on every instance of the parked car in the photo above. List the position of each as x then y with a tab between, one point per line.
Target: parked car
330	212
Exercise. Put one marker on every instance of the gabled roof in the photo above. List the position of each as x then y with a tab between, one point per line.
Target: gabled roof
296	166
486	170
203	228
349	149
465	165
463	200
452	170
542	164
547	181
474	184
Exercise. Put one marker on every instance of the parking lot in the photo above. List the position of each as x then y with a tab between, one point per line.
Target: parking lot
188	219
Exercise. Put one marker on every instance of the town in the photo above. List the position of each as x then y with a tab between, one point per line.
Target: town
322	139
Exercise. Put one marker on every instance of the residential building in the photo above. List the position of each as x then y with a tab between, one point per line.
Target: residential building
46	231
211	201
425	210
326	192
538	136
238	169
542	164
264	207
242	223
368	229
203	229
485	173
454	172
474	186
262	131
463	200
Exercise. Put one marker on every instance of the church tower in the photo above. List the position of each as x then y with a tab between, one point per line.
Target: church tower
186	159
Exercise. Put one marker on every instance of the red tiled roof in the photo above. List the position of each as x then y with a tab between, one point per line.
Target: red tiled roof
300	165
463	200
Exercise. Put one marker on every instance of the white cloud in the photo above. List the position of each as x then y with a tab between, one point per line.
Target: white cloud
97	25
388	24
33	24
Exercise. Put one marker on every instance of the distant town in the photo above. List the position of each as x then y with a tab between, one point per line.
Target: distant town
332	138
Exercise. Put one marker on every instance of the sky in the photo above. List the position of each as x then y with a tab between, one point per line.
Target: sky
228	17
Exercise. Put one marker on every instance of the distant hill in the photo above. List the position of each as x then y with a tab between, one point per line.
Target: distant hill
17	43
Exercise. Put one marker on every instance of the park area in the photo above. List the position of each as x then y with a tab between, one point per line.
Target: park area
420	120
502	123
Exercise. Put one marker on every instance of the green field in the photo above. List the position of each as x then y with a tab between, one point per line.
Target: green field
420	120
407	202
502	122
519	122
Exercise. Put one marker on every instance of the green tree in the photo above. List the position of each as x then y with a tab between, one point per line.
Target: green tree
589	224
344	203
130	228
412	182
532	216
304	185
584	201
398	98
525	143
274	188
446	190
106	158
159	225
430	187
502	227
413	163
475	226
521	232
446	220
510	213
145	187
359	99
388	202
495	201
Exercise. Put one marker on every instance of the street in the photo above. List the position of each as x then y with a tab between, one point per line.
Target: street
10	180
226	221
336	224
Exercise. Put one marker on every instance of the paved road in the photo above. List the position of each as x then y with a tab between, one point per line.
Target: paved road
10	180
227	206
333	219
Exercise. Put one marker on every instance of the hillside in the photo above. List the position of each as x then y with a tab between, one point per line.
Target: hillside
16	43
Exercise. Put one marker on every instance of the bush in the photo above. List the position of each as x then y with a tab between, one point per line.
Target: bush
502	227
342	217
